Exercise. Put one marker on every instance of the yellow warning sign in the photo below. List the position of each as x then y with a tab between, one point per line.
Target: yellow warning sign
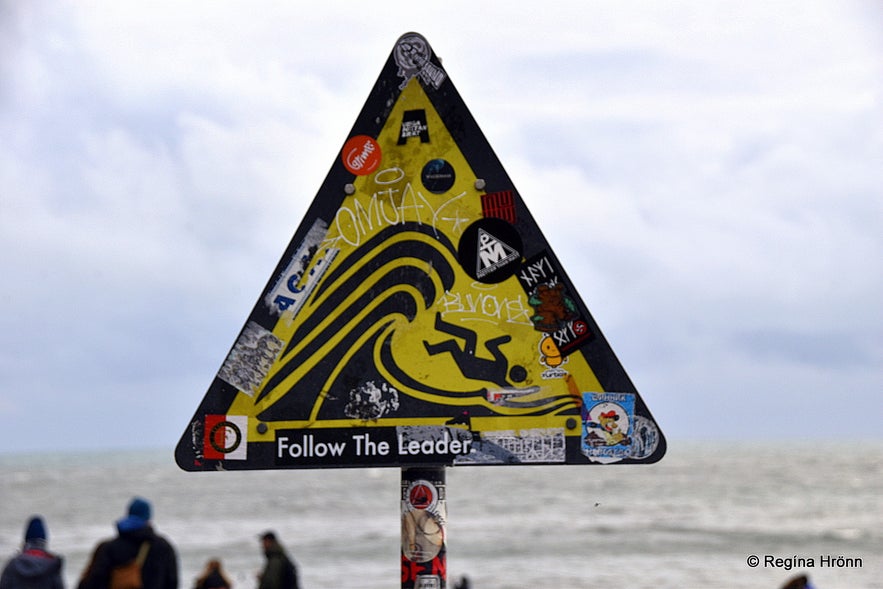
418	317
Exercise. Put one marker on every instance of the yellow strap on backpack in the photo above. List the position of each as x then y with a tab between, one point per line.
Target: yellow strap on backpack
142	554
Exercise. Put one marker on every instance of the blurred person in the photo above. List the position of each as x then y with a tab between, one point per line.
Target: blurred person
159	569
34	567
798	582
279	570
213	577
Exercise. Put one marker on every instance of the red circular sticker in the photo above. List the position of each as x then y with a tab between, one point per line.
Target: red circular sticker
361	155
421	495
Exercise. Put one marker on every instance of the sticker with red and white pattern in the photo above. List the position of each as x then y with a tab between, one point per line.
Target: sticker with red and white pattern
225	437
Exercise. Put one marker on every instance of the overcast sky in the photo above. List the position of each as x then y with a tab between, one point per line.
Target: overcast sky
710	175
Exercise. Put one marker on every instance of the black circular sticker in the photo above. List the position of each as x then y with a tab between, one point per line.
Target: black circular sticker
438	176
490	250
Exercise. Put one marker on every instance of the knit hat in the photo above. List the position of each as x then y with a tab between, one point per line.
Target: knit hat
35	533
139	508
137	518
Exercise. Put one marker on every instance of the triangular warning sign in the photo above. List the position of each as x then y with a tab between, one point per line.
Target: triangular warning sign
418	316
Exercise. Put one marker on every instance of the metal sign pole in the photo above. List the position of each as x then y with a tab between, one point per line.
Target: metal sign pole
424	515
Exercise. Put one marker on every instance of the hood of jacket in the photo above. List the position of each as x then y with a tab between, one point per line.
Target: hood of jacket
132	525
33	564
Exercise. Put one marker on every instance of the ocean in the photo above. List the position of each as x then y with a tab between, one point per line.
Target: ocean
697	519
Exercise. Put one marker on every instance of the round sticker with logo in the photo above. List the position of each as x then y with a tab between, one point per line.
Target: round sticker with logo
490	250
438	176
361	155
225	437
422	495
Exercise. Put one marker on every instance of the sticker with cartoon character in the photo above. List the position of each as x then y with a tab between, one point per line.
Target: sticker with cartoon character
608	426
412	54
555	311
552	358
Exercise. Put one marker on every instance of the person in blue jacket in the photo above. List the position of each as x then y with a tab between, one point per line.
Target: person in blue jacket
34	567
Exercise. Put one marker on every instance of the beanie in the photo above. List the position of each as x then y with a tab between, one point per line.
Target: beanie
36	530
139	508
137	518
35	534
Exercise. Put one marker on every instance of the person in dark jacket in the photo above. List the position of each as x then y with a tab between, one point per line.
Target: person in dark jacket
213	577
160	568
34	567
279	571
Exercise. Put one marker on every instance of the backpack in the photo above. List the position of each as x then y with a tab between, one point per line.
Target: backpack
128	576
